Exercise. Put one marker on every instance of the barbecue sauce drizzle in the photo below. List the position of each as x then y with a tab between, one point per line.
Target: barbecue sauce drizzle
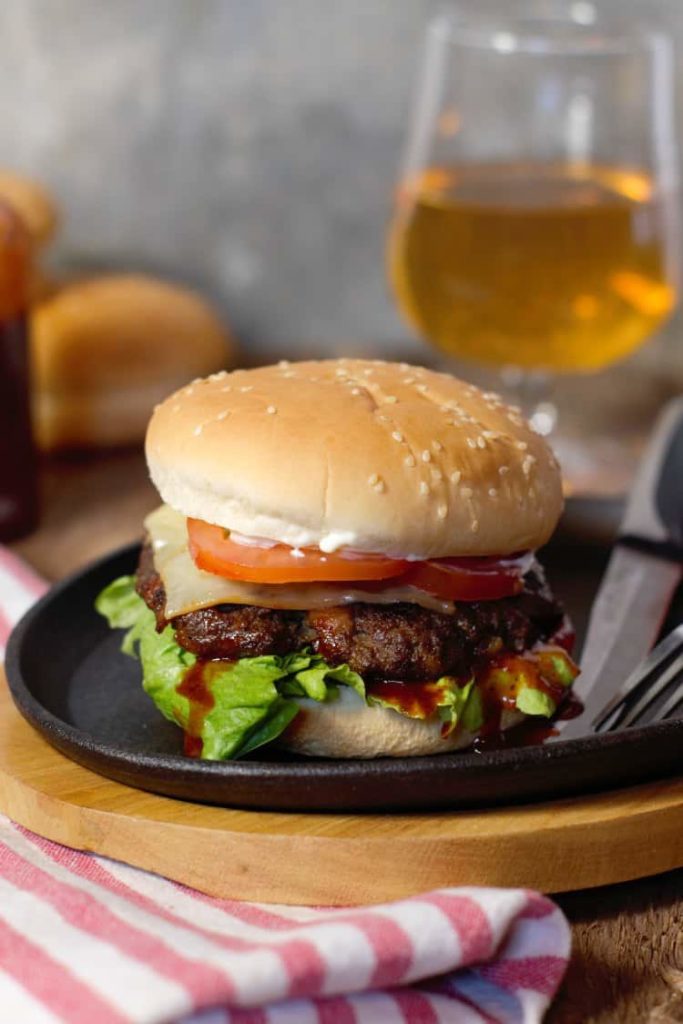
195	687
419	699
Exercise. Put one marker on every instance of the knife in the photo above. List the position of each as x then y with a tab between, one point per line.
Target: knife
643	572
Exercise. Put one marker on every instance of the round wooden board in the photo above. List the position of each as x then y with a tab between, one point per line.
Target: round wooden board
337	859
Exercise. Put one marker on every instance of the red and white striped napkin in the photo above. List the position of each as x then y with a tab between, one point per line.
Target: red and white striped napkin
86	940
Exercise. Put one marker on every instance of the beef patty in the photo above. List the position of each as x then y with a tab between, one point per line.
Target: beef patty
394	641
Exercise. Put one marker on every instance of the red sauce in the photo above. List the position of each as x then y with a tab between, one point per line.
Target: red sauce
526	734
192	746
195	687
571	707
419	700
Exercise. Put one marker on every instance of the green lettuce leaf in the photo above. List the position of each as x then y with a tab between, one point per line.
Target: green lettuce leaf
250	705
119	603
535	702
472	716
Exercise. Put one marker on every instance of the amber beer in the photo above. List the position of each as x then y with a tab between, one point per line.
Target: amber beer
538	265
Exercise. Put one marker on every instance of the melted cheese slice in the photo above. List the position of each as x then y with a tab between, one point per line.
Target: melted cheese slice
189	588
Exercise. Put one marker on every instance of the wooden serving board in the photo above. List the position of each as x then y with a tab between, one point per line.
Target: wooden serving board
337	859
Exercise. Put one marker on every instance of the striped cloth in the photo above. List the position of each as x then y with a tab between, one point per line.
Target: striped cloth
86	940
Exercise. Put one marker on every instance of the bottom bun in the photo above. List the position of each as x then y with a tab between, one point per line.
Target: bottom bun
347	727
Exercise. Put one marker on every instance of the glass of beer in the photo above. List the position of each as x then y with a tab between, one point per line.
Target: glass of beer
535	227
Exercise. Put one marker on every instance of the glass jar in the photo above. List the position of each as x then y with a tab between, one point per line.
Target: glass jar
18	481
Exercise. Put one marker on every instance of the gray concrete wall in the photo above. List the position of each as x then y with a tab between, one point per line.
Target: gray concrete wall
248	146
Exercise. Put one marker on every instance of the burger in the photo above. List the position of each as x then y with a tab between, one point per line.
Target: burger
343	564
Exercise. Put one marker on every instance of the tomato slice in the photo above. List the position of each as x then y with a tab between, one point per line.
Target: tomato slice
213	549
451	579
466	579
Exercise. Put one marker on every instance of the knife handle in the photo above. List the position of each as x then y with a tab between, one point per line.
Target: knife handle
654	518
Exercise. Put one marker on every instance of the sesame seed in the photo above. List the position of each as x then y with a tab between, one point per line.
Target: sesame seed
380	486
503	470
515	409
355	391
397	435
437	446
442	511
368	372
247	387
527	464
373	479
521	446
481	443
422	388
456	476
424	488
341	372
197	430
408	380
284	363
290	373
409	460
471	442
222	415
490	435
189	391
390	398
466	492
437	475
404	366
426	456
271	410
228	387
475	525
493	493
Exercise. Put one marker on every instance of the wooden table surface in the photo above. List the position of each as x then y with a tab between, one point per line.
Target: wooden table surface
627	965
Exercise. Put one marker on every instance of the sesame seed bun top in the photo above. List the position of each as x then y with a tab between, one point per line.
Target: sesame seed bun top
367	455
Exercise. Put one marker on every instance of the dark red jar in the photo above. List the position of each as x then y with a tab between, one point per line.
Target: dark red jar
18	483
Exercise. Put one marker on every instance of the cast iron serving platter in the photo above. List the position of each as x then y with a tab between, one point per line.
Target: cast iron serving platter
70	680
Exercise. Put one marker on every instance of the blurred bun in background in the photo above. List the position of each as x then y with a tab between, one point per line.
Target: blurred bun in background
105	350
33	203
40	214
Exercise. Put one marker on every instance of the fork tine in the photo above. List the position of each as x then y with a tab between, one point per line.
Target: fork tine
672	643
671	703
659	686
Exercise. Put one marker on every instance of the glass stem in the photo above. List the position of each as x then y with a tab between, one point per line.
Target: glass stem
531	391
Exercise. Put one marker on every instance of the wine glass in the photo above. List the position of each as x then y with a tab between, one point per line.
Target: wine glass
535	226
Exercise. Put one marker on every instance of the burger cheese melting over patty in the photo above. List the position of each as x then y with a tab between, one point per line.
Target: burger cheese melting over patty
344	563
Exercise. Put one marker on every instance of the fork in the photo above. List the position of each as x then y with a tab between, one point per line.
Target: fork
653	691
